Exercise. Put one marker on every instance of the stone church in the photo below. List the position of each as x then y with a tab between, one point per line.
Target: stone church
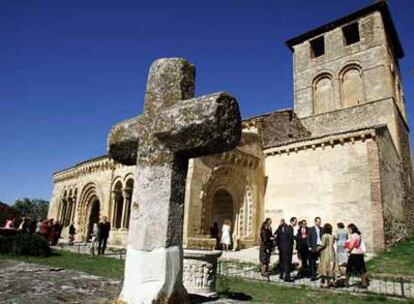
342	152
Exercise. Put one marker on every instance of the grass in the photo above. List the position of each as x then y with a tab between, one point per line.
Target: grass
227	287
396	261
263	292
96	265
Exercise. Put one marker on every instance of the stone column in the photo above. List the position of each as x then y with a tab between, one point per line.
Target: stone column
59	210
115	196
63	211
126	193
68	211
235	232
72	219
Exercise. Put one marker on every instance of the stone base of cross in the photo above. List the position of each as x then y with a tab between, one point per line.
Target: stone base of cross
173	128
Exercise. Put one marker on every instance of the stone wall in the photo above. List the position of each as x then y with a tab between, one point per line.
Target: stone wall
240	173
392	189
407	171
371	56
331	181
376	113
84	184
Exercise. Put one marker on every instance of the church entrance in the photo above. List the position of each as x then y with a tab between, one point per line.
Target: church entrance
222	209
93	215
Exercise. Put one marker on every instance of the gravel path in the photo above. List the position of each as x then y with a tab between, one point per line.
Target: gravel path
26	283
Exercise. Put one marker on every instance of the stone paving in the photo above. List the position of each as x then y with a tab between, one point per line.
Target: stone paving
22	283
26	283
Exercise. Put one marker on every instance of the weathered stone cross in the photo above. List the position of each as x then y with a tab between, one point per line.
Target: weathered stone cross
172	129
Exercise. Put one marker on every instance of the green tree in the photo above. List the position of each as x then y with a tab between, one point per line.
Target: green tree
35	209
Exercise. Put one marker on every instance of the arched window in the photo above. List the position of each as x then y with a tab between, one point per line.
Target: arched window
323	94
352	87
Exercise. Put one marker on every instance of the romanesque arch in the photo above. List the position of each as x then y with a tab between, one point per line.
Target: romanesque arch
352	90
121	190
323	93
118	201
227	185
90	208
67	206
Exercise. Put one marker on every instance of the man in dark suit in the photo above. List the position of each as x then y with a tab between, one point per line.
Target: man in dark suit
302	248
314	239
285	241
103	233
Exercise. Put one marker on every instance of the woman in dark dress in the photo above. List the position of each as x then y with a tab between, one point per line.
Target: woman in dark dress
266	246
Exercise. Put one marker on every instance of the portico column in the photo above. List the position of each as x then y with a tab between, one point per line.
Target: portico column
115	195
126	193
68	211
72	220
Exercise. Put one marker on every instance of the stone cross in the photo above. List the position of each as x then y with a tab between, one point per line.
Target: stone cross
174	127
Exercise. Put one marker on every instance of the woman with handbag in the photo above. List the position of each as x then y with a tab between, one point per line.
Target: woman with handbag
356	250
328	266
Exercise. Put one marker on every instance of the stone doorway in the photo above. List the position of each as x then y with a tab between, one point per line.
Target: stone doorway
222	208
93	216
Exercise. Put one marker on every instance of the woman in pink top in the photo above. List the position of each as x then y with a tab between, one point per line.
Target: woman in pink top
356	263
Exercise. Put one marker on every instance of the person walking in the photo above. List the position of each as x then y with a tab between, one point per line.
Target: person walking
103	233
57	229
72	232
314	239
341	236
356	250
285	242
266	246
328	266
226	235
302	248
94	237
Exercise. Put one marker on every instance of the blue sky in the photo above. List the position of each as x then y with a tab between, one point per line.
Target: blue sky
71	69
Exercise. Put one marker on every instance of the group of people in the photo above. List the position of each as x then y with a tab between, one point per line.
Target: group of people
332	257
48	228
99	235
51	230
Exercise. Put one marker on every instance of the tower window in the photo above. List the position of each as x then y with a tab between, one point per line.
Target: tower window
318	47
351	33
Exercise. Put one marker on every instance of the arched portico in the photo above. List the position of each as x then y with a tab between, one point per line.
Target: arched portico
223	208
90	203
93	214
226	195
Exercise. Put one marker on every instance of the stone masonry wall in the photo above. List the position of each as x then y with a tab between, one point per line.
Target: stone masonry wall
392	189
370	55
330	182
97	178
381	112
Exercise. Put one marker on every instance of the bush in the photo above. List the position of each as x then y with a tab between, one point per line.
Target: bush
24	244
